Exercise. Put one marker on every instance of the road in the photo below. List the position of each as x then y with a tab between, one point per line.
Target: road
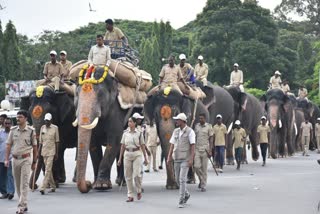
286	185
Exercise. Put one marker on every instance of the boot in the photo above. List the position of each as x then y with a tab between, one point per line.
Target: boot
238	165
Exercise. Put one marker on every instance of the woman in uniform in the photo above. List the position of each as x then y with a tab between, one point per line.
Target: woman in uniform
132	148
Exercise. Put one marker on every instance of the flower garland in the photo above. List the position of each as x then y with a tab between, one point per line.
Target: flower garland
91	80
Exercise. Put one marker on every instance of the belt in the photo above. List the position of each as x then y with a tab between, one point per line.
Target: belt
132	150
19	157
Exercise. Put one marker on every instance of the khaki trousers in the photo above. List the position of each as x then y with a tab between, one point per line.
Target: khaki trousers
153	151
48	178
201	167
21	173
305	144
55	81
132	170
318	142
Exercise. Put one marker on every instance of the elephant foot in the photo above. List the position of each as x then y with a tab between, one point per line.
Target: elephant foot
74	179
230	162
84	186
61	180
120	181
102	185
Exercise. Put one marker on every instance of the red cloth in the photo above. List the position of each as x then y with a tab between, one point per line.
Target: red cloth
89	72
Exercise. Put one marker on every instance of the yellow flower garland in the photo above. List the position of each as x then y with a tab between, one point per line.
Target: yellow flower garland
92	81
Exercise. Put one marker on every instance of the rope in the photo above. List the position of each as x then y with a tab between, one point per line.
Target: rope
115	70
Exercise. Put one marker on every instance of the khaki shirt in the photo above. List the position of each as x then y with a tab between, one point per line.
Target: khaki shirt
236	78
22	140
53	70
132	140
238	136
170	75
66	68
302	93
115	35
317	127
219	134
152	135
201	71
285	88
49	136
275	82
306	128
185	69
263	131
99	55
203	133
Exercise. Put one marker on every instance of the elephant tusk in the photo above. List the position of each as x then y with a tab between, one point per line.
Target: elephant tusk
295	128
230	127
75	123
280	124
92	125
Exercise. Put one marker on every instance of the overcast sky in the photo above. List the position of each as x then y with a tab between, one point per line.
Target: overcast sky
31	17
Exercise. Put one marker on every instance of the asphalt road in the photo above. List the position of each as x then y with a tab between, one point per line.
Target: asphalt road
288	185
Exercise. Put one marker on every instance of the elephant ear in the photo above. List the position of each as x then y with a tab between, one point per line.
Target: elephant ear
186	107
310	108
286	103
243	101
148	108
25	103
64	105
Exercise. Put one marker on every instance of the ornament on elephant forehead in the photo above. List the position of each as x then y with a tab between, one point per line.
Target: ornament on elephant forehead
39	91
85	120
166	112
87	87
167	90
167	136
37	111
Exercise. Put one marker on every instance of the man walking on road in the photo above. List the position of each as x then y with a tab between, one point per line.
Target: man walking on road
306	130
264	138
182	145
219	141
239	139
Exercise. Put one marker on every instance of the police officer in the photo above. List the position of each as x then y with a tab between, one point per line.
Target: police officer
204	143
66	64
219	141
132	143
49	139
152	141
275	81
182	146
264	138
306	130
201	71
317	133
239	138
22	141
186	69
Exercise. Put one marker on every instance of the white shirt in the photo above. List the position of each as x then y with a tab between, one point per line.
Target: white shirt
99	55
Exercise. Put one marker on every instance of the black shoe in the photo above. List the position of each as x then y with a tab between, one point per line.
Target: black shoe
10	196
186	198
147	170
26	209
160	167
264	163
4	196
42	192
181	203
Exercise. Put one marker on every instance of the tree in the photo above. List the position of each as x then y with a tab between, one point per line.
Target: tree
2	63
307	8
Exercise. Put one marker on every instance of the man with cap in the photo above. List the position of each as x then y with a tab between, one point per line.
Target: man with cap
219	141
201	71
239	139
186	69
204	143
66	64
317	133
22	141
303	92
275	80
49	139
306	130
236	77
52	71
285	87
152	142
264	138
182	146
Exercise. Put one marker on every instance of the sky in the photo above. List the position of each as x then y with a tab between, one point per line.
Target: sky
31	17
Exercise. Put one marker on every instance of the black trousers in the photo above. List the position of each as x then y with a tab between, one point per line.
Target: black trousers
264	148
3	179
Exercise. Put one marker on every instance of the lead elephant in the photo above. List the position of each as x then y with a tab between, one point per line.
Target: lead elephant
247	109
61	106
100	121
280	111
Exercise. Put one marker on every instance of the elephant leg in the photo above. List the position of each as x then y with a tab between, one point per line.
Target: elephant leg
254	147
62	171
96	157
120	172
35	174
171	182
103	181
244	156
283	138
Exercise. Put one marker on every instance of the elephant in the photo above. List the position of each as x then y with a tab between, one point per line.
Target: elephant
100	121
160	108
281	118
248	110
44	100
311	112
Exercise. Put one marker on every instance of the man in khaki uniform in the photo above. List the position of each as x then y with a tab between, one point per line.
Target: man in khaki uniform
303	92
52	71
182	145
204	143
219	141
49	139
152	143
264	138
201	71
66	64
114	35
285	87
317	132
186	69
306	130
22	141
236	77
239	139
275	81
